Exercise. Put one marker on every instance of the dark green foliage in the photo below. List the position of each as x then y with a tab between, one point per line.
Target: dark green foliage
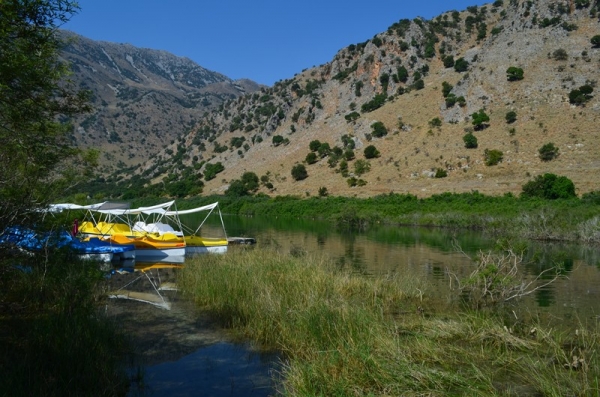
492	157
461	65
323	191
581	95
352	116
357	87
402	74
595	41
378	129
480	119
450	100
348	142
371	152
440	173
384	79
549	186
348	155
277	140
560	55
470	141
448	61
514	73
311	158
446	88
361	167
435	122
341	76
244	187
511	117
314	145
38	160
419	84
375	103
548	152
299	172
324	150
211	170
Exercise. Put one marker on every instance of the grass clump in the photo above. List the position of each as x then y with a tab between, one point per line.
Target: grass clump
348	334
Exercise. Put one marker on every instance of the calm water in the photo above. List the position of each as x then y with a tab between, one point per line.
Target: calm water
220	368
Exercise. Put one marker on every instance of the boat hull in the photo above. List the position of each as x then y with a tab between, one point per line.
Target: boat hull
204	245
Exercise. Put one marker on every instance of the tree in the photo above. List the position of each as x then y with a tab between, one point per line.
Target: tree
595	41
470	141
511	117
548	152
448	61
379	129
446	88
513	73
299	172
549	186
581	95
277	140
323	191
38	161
479	119
461	65
311	158
371	152
314	145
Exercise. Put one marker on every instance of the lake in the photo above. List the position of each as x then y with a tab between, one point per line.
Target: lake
181	353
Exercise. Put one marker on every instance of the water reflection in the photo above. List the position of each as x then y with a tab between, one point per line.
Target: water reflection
178	351
222	369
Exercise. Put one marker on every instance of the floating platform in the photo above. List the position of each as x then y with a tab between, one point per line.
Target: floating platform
241	240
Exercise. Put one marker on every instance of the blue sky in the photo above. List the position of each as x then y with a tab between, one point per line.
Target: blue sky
263	40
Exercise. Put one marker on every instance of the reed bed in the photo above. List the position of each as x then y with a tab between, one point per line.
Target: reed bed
350	334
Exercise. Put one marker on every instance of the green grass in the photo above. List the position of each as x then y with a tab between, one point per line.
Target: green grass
347	334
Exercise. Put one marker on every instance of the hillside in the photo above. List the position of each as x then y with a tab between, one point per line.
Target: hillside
142	99
399	78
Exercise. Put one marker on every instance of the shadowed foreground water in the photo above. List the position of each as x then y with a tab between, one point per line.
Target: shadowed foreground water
178	352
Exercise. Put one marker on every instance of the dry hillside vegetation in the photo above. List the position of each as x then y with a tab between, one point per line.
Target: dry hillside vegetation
270	131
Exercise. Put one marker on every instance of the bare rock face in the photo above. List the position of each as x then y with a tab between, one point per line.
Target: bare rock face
143	99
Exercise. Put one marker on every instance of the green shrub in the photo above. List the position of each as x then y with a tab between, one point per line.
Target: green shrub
299	172
371	152
549	186
361	167
511	117
513	73
435	122
492	157
277	140
548	152
379	129
375	103
461	65
581	95
314	145
311	158
480	119
352	116
595	41
470	141
441	173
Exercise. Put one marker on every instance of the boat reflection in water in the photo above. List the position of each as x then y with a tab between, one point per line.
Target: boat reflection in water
145	281
177	349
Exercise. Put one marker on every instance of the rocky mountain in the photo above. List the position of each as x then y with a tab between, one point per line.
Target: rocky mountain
143	99
481	99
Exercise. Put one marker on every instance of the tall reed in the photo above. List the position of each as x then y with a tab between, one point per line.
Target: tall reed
349	334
